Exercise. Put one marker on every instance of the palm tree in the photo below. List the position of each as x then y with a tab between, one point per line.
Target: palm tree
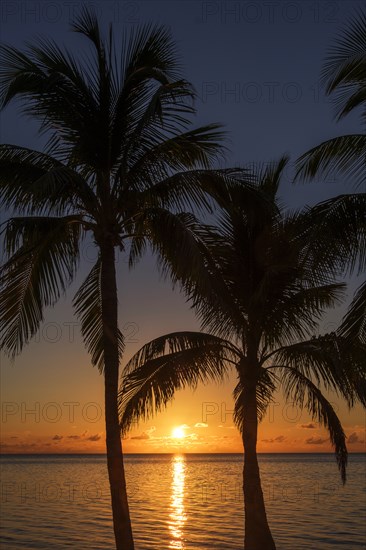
277	292
344	78
121	165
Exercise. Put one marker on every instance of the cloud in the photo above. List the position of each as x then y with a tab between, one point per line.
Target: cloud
57	437
227	427
84	437
315	440
192	437
21	446
278	439
354	438
144	435
308	426
95	437
201	425
151	430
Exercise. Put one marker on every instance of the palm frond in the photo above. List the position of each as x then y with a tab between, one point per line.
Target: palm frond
269	176
235	252
344	75
331	360
345	65
87	24
152	46
304	393
296	313
167	364
347	98
31	181
162	113
343	154
56	91
354	323
44	257
201	190
184	257
196	148
342	221
88	307
150	95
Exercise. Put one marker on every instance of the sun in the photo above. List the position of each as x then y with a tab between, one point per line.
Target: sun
178	433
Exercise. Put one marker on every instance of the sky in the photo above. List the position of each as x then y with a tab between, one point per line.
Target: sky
255	67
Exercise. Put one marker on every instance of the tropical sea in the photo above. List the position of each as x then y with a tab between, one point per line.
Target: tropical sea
185	502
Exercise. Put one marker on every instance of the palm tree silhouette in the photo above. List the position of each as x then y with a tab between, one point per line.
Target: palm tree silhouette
121	165
344	77
277	292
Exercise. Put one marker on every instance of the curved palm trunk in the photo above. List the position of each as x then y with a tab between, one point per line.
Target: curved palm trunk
116	473
257	533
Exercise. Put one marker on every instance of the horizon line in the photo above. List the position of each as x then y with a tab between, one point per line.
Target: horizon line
182	453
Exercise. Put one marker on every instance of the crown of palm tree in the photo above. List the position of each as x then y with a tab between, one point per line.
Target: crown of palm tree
344	79
120	163
343	218
278	289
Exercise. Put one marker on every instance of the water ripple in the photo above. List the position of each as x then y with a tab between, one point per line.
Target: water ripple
183	502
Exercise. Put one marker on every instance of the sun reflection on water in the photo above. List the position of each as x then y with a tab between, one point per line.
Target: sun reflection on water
177	514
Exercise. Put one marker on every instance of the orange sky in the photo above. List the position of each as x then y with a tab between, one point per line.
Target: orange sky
204	420
52	399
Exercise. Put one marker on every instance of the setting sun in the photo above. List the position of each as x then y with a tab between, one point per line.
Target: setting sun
178	433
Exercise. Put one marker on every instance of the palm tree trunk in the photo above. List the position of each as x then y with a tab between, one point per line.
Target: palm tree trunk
257	533
116	473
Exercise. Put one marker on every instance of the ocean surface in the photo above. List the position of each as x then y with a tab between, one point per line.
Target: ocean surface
186	502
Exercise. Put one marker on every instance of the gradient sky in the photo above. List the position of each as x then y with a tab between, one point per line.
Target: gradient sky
255	67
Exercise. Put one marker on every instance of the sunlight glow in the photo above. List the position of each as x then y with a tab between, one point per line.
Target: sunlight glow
177	516
178	433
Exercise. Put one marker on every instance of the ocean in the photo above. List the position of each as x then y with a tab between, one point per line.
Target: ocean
189	502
